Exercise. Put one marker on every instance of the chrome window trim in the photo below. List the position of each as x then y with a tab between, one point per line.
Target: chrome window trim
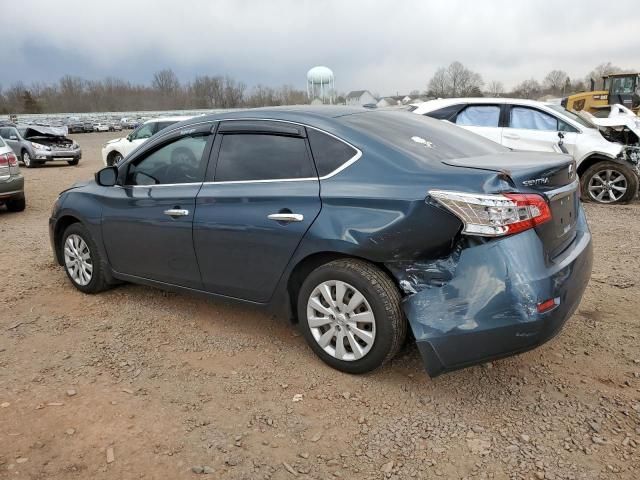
345	165
342	167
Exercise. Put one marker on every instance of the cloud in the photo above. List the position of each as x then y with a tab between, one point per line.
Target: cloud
385	46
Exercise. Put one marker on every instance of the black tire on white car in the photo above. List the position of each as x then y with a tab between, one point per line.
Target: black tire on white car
609	182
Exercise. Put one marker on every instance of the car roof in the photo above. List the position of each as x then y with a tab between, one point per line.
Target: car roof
431	105
169	119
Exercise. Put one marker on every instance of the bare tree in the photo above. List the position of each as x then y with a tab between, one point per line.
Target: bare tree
439	85
599	71
165	81
528	89
495	88
455	81
555	81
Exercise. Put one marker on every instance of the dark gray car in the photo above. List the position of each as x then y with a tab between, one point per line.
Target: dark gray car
356	223
35	144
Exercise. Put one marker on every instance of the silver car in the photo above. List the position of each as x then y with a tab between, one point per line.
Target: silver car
35	144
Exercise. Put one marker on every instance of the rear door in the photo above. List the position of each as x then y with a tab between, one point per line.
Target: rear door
482	119
261	196
529	128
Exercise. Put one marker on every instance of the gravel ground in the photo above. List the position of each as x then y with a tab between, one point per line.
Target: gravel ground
139	383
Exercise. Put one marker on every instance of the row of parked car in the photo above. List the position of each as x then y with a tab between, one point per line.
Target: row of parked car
359	223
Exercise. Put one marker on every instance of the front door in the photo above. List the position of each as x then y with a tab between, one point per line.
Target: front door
534	130
148	222
251	218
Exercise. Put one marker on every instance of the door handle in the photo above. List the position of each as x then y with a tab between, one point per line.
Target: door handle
286	217
176	212
512	136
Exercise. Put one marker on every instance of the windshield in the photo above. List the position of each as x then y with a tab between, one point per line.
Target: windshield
582	121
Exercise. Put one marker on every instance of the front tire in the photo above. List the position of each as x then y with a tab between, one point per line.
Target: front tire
113	158
81	259
26	159
75	161
349	312
609	182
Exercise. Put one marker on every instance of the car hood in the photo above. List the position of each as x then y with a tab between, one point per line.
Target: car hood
115	140
78	184
42	131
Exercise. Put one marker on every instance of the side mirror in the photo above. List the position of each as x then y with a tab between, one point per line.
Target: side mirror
107	177
129	137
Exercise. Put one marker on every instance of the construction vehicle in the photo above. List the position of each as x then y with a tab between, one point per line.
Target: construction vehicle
617	88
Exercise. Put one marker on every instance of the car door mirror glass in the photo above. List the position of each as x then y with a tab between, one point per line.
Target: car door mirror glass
107	177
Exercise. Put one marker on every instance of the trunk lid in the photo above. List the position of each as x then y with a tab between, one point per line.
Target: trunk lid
551	175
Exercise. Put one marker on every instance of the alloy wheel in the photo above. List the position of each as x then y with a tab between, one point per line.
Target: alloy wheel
341	320
77	259
26	159
607	186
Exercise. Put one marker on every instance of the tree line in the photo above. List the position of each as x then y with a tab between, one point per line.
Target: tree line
165	92
456	80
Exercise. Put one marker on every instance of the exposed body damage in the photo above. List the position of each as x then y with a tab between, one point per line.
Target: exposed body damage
480	302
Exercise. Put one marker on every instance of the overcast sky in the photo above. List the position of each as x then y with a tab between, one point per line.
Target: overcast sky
385	46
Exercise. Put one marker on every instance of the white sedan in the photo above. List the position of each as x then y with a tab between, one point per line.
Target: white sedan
118	148
530	125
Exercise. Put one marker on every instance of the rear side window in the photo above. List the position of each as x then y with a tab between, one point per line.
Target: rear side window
4	133
479	116
245	157
445	113
1	142
532	119
329	153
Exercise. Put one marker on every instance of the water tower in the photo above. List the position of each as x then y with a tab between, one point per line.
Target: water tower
321	84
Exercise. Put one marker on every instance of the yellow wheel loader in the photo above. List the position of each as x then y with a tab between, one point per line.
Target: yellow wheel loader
617	88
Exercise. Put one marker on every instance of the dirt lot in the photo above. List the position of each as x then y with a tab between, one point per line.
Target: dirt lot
138	383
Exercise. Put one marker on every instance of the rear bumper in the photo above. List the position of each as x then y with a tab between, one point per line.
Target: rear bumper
12	186
488	307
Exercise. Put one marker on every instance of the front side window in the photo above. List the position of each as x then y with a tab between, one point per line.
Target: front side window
479	116
245	157
328	152
145	131
532	119
180	161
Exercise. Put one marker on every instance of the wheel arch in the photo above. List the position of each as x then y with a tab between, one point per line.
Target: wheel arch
308	264
61	225
591	160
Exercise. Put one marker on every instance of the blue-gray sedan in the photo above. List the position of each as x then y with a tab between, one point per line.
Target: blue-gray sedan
356	223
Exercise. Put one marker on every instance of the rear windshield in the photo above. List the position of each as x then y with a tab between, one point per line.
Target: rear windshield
422	136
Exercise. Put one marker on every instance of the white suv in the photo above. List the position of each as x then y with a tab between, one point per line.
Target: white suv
115	150
530	125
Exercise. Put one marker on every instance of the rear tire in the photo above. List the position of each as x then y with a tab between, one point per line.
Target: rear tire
16	204
603	182
81	259
383	322
113	158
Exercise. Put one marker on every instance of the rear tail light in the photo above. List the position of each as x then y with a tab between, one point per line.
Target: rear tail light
495	215
8	160
12	160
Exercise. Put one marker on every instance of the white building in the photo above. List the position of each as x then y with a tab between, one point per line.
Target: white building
360	97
